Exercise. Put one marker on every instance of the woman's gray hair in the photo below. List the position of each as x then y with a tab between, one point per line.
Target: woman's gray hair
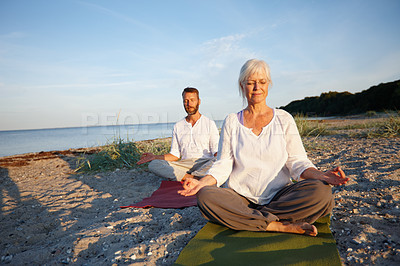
252	66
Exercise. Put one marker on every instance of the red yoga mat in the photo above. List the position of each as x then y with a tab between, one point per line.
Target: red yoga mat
166	197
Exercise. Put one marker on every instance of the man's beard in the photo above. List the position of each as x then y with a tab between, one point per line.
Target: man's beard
192	110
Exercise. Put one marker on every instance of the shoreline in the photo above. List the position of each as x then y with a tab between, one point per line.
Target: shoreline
92	140
52	215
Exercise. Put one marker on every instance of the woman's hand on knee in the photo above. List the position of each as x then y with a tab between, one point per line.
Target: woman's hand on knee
191	185
336	177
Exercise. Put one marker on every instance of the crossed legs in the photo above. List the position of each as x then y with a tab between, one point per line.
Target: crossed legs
293	209
176	170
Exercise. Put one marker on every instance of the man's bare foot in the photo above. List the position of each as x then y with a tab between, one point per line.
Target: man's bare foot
295	228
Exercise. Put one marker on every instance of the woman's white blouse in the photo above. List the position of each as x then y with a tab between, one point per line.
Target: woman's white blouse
257	167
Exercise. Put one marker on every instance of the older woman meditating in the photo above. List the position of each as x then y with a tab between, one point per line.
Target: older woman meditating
260	152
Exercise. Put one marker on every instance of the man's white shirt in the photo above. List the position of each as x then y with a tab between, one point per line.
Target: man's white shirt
198	141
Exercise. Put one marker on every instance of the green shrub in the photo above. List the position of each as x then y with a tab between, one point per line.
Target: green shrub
121	154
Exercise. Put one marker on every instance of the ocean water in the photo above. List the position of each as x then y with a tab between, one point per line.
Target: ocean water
25	141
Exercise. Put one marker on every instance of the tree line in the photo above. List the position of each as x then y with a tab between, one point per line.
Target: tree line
382	97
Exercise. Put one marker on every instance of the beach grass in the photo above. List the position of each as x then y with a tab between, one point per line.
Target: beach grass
388	128
120	154
308	128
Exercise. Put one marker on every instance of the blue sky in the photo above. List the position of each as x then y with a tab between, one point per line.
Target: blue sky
78	63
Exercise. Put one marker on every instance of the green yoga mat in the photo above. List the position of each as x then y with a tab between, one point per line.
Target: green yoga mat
218	245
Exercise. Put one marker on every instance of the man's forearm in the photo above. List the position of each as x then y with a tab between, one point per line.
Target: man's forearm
168	157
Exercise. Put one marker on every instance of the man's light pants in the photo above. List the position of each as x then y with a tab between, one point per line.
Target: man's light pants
176	170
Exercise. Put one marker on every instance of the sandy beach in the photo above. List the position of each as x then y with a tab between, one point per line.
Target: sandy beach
51	215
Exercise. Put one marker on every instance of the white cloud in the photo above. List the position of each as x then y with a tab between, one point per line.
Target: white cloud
221	53
222	45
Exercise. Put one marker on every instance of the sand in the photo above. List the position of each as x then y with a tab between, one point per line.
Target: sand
52	216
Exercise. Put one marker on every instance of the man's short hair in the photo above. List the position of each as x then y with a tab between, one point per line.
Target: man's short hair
192	90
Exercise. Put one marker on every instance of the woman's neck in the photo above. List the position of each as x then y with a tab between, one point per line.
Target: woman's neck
256	117
258	109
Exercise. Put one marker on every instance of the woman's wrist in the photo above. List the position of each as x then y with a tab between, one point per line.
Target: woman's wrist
313	173
208	180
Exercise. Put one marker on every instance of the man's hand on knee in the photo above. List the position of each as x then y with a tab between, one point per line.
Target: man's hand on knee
146	157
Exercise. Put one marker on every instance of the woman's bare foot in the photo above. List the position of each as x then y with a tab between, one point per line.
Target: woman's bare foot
295	228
